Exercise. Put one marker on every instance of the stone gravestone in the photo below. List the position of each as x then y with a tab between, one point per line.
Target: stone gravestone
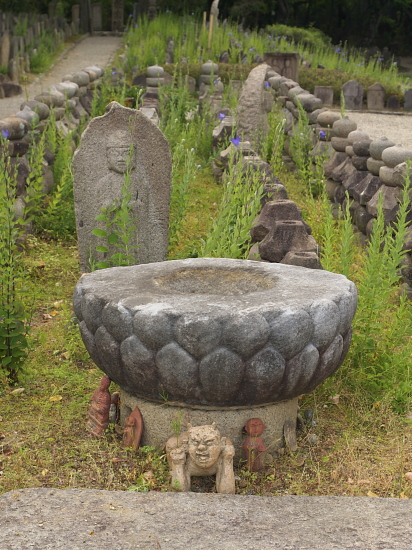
393	103
5	49
408	100
117	15
75	19
252	124
99	168
325	93
375	97
96	16
84	17
286	64
353	94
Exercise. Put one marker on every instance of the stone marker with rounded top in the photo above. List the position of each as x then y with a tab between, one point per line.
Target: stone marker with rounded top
99	168
375	97
353	94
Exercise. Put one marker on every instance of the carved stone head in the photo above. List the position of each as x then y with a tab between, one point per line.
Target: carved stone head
118	151
204	444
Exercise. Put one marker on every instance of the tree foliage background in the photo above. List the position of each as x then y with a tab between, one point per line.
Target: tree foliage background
361	23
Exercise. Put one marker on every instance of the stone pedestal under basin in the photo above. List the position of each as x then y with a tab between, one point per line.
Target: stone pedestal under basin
216	336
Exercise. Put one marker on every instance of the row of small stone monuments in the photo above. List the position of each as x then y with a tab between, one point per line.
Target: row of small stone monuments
353	96
368	171
69	101
279	233
365	169
16	50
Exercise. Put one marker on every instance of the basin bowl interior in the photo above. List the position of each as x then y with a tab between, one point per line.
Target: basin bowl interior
213	280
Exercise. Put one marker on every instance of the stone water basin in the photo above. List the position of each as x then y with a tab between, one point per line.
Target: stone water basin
216	332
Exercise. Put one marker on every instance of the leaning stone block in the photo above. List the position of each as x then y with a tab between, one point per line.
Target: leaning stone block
272	212
302	259
361	218
344	170
353	179
335	160
364	190
390	195
285	236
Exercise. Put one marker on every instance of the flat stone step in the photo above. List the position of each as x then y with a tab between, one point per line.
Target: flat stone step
53	519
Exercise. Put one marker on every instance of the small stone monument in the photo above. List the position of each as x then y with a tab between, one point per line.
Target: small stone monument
393	103
408	100
375	97
252	124
286	64
122	143
353	94
325	93
117	15
201	451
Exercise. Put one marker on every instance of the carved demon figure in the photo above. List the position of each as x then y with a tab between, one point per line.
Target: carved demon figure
201	451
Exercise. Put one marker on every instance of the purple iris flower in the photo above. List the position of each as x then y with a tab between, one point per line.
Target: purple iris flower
5	133
322	134
235	140
222	116
267	85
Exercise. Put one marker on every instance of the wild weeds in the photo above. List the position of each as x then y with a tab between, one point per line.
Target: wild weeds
229	236
184	169
301	144
35	192
14	319
275	141
380	344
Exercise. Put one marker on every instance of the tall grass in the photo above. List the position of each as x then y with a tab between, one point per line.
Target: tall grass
147	43
14	316
230	234
378	362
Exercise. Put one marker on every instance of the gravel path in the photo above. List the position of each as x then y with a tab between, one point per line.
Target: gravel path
91	50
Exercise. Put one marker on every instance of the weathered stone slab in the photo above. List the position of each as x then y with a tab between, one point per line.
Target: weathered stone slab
4	49
335	160
375	97
325	94
408	100
390	198
286	64
252	122
99	168
90	519
393	103
353	94
363	191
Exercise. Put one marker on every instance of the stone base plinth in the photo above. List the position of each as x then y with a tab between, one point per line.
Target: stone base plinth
158	419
